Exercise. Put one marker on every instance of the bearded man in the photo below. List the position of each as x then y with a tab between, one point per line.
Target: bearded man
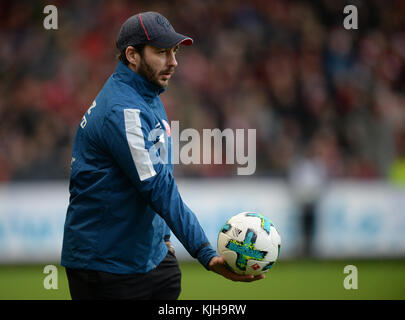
123	203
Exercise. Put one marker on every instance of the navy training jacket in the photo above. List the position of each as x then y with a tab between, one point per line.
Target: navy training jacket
123	202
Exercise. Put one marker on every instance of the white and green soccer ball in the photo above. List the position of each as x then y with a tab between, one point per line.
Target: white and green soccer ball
249	243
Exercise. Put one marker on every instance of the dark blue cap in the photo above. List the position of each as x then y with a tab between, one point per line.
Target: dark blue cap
150	28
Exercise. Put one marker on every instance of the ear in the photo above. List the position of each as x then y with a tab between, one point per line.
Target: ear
132	56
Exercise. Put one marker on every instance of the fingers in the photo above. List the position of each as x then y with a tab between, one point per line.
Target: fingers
217	264
219	267
246	278
216	260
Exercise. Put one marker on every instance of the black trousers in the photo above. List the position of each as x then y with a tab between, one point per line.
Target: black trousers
161	283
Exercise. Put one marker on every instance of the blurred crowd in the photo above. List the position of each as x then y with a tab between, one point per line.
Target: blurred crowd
314	91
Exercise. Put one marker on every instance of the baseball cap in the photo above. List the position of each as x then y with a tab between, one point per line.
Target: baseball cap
149	28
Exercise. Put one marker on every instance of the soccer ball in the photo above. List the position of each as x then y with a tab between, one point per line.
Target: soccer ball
249	243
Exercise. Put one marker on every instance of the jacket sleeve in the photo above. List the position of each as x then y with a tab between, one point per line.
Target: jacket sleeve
126	134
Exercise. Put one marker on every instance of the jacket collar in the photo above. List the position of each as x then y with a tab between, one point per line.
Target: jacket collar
145	88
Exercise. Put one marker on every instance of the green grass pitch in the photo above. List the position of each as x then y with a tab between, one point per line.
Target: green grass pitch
299	279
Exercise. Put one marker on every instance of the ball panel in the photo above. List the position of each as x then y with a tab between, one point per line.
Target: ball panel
234	230
223	240
256	267
230	258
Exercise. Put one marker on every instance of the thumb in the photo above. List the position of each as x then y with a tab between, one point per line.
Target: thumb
216	260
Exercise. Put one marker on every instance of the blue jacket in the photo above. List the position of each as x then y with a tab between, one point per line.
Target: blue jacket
123	202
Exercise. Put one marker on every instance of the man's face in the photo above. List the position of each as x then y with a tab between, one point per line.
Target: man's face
157	65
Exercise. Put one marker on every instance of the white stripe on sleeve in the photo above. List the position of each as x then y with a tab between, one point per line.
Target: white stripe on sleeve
136	143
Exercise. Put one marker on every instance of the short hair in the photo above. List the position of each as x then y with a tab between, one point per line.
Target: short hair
123	57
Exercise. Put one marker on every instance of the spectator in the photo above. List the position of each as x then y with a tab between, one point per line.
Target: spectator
286	68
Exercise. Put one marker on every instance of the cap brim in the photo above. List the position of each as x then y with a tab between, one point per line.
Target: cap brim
171	40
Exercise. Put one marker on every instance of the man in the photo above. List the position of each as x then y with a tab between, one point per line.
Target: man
123	203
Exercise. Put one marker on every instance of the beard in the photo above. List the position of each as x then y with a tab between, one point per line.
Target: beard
151	74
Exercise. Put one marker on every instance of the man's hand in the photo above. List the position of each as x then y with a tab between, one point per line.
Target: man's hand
170	247
217	264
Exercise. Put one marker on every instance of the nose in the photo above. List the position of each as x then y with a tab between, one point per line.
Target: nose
172	62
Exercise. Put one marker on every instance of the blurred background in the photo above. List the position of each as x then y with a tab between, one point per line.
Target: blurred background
328	106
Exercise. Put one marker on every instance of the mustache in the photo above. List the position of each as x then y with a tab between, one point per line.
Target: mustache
169	70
